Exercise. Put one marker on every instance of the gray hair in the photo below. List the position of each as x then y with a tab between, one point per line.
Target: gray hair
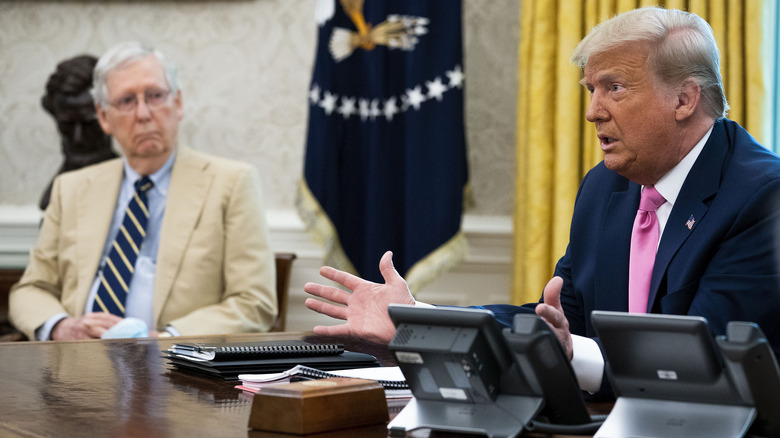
124	54
682	46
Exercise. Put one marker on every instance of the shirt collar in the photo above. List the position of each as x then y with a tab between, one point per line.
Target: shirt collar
161	178
669	185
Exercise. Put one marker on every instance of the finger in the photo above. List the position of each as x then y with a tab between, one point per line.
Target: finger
386	267
101	319
343	278
558	323
93	330
331	330
327	292
102	316
552	293
327	309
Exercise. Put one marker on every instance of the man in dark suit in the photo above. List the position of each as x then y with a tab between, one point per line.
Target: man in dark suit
658	105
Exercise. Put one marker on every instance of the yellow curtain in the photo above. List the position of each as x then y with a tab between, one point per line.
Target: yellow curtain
556	145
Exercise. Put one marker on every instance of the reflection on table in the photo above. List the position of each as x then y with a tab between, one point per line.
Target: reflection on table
125	388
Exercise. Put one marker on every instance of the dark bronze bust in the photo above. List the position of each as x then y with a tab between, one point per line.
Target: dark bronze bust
69	101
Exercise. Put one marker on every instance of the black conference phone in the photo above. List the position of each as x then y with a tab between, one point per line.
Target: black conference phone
470	376
749	355
671	374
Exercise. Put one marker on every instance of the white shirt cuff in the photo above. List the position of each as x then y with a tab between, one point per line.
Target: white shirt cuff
170	329
588	363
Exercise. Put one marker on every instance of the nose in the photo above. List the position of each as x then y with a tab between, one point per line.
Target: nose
142	111
597	110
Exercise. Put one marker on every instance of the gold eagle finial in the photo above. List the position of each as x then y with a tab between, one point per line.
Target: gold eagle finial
396	32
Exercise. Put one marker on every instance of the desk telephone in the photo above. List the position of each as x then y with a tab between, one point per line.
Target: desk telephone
749	356
470	376
672	377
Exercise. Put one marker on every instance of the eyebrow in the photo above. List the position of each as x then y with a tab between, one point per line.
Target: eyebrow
601	78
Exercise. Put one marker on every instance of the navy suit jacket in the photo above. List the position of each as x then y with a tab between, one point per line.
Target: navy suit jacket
722	267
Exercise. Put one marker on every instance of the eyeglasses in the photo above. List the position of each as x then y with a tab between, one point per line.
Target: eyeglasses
153	98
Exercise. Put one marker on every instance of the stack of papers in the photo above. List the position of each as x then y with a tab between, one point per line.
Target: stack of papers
390	377
229	360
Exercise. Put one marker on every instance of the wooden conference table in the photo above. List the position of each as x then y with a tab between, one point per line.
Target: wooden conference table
125	388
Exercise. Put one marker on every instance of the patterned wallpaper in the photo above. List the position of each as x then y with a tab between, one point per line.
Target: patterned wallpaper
244	67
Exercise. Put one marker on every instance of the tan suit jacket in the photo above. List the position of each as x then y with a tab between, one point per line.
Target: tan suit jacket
215	272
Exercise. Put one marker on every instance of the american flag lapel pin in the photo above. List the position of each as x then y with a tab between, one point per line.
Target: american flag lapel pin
690	222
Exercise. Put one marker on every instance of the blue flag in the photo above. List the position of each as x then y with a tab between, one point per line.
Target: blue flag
385	165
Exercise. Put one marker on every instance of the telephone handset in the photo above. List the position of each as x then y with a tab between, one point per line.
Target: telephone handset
538	353
752	364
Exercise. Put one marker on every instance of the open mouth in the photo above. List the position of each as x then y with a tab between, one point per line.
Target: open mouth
606	141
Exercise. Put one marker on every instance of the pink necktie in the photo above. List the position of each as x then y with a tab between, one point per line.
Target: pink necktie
644	243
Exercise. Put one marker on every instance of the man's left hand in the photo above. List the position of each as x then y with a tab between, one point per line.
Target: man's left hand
552	312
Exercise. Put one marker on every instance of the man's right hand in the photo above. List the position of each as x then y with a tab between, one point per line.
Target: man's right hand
89	326
364	310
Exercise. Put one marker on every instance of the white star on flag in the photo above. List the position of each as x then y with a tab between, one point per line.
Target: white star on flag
456	77
390	108
329	102
436	88
347	107
363	109
314	94
416	97
374	111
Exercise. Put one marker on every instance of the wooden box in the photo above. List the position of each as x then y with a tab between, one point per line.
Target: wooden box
314	406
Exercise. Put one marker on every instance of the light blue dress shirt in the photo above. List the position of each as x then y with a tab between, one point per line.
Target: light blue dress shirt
140	296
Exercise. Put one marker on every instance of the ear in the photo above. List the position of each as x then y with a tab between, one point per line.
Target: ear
178	105
103	119
688	97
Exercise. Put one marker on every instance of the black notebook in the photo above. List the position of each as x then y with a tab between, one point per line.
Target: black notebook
255	350
264	362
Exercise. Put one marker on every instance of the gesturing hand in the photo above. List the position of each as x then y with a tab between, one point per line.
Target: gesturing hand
365	308
552	312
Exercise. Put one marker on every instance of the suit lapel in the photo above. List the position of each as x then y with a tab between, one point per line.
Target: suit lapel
96	205
611	276
692	204
187	195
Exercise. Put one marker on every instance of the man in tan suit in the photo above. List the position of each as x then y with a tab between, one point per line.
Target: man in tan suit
203	266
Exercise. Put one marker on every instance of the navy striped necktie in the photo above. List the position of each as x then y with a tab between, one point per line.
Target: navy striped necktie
120	263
